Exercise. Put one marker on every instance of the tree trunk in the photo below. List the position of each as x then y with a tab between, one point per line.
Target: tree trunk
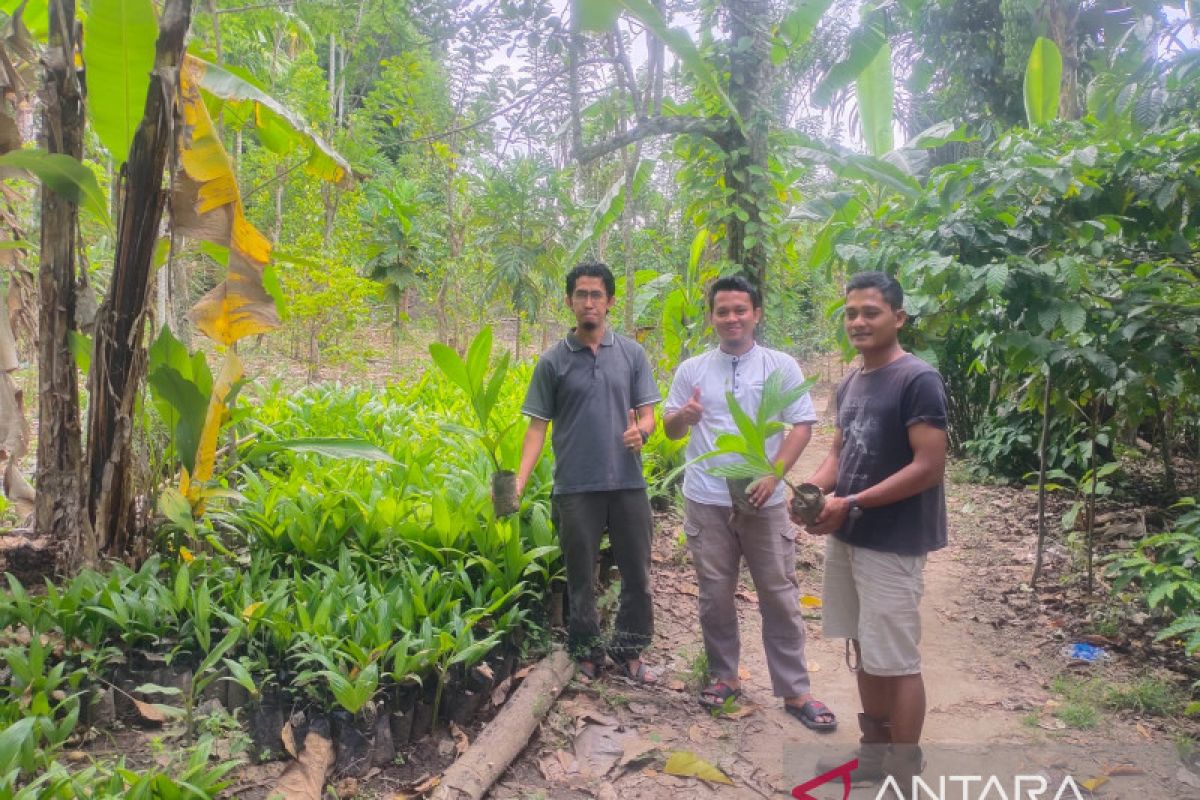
1090	526
749	79
470	777
119	365
1041	501
59	512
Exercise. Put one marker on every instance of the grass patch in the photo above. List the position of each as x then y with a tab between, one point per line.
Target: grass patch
697	670
1083	716
1082	700
1151	696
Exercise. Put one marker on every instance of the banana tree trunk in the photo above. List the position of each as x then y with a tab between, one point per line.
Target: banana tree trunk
119	365
59	513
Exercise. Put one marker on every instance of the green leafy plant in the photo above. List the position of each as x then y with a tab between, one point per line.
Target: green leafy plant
753	433
1164	568
471	376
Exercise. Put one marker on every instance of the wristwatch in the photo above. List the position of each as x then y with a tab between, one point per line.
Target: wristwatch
855	509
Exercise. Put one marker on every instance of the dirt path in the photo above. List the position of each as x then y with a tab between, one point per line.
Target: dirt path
987	681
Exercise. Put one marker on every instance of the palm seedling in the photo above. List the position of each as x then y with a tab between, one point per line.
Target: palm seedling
749	443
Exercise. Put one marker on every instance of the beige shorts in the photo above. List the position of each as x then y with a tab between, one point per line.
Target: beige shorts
875	597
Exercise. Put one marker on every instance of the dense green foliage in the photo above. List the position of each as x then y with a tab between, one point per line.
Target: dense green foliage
332	579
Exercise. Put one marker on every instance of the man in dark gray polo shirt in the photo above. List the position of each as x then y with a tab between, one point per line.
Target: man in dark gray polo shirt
598	390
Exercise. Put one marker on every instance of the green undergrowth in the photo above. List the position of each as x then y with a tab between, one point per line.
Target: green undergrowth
1084	699
327	580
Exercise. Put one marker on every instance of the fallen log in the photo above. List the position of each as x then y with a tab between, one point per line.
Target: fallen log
505	737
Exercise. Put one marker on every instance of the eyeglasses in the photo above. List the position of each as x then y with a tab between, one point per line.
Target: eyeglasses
582	295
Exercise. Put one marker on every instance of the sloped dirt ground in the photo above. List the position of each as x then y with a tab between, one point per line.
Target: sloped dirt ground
991	646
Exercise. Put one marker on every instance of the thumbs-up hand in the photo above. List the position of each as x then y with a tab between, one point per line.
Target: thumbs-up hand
693	410
633	434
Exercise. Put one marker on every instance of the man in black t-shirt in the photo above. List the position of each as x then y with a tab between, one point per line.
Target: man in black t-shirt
887	511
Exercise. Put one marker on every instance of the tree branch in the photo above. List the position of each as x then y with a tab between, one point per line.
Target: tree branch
715	128
523	99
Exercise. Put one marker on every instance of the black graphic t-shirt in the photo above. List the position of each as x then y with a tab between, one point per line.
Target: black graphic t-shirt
874	411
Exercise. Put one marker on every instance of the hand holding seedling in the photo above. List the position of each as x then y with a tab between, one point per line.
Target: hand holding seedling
633	434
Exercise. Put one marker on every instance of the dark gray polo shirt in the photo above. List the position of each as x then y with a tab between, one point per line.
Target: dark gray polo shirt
587	396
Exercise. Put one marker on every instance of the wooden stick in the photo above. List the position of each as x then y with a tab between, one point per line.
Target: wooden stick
505	737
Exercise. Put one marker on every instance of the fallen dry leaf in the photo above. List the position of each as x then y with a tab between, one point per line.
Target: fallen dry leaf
688	589
427	784
697	734
522	672
813	666
346	787
289	739
743	673
500	693
151	712
810	601
635	749
461	742
687	764
1092	784
485	671
304	778
676	685
567	761
739	711
1123	769
599	747
1143	730
1052	724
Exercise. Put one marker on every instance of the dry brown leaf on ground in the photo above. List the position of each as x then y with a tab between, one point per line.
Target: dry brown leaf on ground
500	693
289	739
676	685
697	734
1116	770
461	741
522	672
599	747
304	778
636	749
567	761
156	713
740	712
